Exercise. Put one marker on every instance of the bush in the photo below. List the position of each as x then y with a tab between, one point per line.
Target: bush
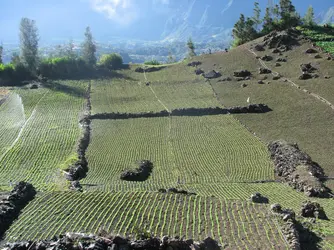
152	62
111	61
11	74
62	67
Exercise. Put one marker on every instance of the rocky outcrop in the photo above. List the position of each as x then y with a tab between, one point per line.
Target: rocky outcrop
11	206
307	71
285	38
311	51
74	241
297	169
259	47
139	174
313	209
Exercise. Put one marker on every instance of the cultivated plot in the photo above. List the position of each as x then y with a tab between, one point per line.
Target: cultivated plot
124	96
46	138
183	150
117	145
237	224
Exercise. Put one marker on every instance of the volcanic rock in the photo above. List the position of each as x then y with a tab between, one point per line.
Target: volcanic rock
212	74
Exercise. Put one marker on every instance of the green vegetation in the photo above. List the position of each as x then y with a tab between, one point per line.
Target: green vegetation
242	224
43	137
322	36
191	48
111	61
152	62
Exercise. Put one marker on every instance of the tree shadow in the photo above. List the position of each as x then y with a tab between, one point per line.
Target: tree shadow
67	89
307	238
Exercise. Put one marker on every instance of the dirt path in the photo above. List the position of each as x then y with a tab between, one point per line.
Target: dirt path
274	73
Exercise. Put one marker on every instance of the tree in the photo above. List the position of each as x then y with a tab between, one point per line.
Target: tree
309	17
276	13
29	44
111	61
289	17
15	59
244	30
89	48
257	15
69	50
1	51
268	22
191	48
170	58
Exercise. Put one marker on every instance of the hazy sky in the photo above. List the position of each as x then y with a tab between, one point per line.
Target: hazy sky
128	18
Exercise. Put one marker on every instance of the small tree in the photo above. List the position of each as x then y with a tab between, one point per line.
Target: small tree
257	15
111	61
69	50
191	48
15	59
29	44
89	48
244	30
309	17
276	13
170	58
1	52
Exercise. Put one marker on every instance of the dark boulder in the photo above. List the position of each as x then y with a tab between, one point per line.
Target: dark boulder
242	73
281	60
307	67
259	47
212	74
267	58
311	51
305	76
199	71
258	198
194	64
264	71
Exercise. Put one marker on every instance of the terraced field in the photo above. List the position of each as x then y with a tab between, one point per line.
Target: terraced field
43	138
125	96
182	149
238	224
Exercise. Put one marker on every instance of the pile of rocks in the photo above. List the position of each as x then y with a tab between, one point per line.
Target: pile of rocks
282	40
267	58
194	64
176	191
289	227
307	70
264	71
10	207
242	73
139	174
72	241
313	209
259	198
297	168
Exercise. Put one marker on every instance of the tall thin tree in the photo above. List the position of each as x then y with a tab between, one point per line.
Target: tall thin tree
191	48
257	15
309	17
1	53
89	48
29	44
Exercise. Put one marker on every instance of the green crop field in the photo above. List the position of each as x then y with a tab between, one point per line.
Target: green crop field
237	224
43	138
125	96
182	149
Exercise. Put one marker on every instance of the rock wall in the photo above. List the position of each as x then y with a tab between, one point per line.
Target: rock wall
11	206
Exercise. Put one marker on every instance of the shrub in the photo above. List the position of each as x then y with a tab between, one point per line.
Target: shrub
152	62
111	61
